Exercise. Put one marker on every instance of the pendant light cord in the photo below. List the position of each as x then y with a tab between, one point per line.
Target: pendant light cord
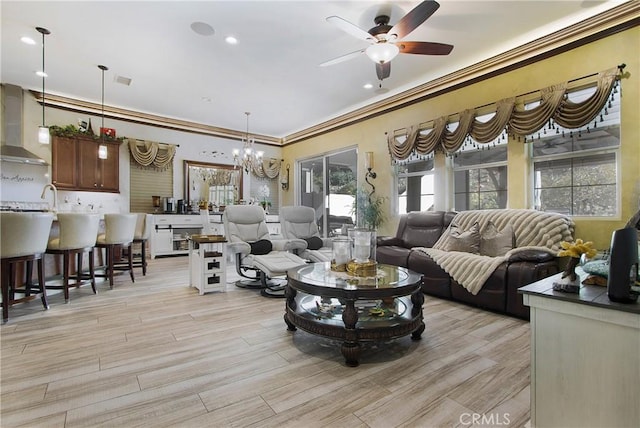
44	32
103	68
102	125
43	75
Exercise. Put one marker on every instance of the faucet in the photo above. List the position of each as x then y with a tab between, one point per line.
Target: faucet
55	196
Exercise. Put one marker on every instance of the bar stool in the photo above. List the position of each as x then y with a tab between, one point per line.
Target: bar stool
119	232
77	236
23	238
141	236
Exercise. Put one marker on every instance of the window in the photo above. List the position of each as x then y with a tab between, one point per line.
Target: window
480	173
575	171
415	185
480	179
328	185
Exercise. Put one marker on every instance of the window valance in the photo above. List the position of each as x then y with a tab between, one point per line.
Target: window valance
510	116
148	153
269	168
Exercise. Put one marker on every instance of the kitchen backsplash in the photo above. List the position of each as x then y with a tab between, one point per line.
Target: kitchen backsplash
22	186
22	182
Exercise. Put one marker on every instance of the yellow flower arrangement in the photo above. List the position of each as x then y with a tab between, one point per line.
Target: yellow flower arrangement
577	249
574	250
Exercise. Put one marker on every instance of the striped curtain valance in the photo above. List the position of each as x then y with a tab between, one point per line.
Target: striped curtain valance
509	116
268	168
148	153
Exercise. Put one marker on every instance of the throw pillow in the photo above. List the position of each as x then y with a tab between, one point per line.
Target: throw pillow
313	243
467	241
494	243
263	246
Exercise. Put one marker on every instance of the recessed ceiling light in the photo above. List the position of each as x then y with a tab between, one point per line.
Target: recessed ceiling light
231	40
368	86
202	28
28	40
41	74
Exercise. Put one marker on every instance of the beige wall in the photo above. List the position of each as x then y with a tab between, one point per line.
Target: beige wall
619	48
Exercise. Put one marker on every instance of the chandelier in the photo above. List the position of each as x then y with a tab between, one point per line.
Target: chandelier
251	159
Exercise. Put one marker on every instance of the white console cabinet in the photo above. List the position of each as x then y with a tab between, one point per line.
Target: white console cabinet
170	233
585	358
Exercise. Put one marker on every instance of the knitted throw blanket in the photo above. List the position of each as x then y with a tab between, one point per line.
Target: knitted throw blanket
532	229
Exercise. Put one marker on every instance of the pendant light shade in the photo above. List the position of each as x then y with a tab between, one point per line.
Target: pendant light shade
43	130
43	135
102	149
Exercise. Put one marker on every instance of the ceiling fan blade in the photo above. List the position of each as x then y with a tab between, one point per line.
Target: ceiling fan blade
414	18
383	70
350	28
342	58
424	48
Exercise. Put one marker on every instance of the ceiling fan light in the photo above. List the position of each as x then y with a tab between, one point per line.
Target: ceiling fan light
381	53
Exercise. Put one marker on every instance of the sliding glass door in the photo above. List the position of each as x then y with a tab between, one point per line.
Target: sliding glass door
328	185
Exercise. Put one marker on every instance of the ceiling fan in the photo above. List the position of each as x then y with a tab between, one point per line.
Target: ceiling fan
385	40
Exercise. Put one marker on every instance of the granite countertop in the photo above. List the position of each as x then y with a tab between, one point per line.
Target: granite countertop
592	295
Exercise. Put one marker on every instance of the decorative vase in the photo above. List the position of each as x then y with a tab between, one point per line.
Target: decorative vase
363	244
569	282
341	249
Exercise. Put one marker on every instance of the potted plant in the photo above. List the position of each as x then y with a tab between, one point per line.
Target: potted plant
368	209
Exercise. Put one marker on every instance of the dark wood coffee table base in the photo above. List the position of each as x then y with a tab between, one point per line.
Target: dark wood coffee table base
350	321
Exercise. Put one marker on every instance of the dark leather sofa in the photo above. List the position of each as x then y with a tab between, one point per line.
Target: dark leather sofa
499	293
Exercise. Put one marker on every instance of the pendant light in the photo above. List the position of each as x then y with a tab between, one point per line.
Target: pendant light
102	149
43	131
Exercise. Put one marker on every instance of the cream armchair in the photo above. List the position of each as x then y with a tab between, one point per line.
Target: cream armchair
300	223
249	241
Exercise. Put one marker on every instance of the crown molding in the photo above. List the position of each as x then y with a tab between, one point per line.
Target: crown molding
81	106
617	19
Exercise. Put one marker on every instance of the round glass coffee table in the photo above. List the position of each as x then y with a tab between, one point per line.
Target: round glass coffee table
355	309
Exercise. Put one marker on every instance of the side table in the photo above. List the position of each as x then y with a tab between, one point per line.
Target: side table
207	263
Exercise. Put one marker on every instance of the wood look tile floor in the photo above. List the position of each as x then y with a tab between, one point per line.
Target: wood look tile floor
154	353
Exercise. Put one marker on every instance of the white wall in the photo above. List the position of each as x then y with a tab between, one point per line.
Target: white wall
192	147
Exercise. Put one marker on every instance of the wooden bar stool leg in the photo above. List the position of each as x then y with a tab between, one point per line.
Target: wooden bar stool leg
12	282
92	273
79	257
6	277
110	265
144	257
130	259
65	275
28	278
43	288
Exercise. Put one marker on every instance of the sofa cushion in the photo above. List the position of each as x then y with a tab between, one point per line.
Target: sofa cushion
467	241
422	229
492	296
494	242
435	281
393	255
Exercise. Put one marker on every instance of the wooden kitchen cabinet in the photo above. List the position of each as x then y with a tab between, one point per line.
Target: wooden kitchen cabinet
98	174
64	152
76	165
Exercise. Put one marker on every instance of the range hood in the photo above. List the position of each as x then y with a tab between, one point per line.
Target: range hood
11	147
